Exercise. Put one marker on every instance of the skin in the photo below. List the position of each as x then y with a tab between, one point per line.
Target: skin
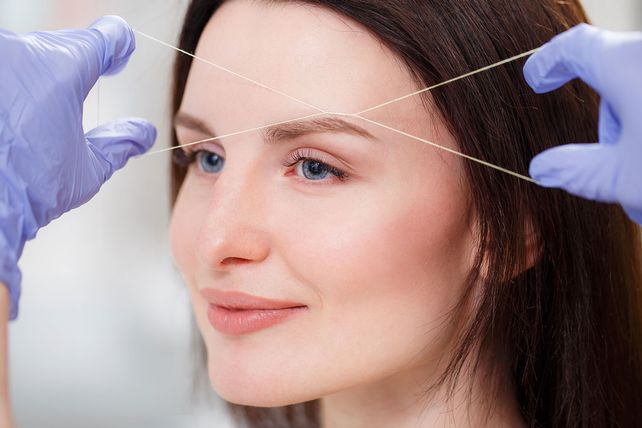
379	259
6	419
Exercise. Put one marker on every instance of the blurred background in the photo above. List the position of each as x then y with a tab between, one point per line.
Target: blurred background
105	329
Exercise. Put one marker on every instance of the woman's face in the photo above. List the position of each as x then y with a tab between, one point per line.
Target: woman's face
378	254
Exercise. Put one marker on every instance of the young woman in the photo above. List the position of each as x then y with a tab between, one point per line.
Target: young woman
423	289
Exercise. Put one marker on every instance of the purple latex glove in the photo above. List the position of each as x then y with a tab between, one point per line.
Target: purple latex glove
48	165
611	63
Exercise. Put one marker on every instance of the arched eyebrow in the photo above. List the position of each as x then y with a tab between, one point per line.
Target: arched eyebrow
320	125
285	131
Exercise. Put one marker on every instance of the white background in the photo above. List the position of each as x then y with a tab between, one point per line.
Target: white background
104	333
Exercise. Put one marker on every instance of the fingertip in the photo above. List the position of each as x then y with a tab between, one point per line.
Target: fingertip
584	170
530	73
539	171
566	56
118	141
550	168
146	131
541	73
119	41
138	134
538	68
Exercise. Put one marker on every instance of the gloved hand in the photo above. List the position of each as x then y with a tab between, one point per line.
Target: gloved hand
47	164
611	63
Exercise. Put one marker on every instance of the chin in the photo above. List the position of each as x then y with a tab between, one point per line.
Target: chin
245	389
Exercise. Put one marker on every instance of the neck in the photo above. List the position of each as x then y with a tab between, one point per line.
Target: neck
400	401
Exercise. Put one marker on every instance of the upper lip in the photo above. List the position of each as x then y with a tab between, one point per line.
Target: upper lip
238	300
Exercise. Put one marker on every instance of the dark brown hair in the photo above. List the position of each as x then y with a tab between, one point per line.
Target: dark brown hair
570	326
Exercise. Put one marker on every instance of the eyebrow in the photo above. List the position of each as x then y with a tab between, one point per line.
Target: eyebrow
285	131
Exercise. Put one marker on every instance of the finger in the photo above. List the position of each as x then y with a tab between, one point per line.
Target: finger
119	42
572	54
585	170
103	48
116	142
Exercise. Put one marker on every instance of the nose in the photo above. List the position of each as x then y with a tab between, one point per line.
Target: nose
234	231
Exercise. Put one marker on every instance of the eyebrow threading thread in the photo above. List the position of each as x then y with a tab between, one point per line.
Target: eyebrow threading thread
356	115
463	76
232	72
474	159
245	131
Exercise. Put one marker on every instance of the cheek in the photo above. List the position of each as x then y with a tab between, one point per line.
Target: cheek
387	268
377	247
381	269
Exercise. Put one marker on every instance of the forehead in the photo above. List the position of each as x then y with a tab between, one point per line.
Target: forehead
306	51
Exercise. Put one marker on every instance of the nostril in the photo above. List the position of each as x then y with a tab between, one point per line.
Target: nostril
234	261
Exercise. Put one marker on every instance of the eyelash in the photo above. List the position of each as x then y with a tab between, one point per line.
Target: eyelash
306	155
186	156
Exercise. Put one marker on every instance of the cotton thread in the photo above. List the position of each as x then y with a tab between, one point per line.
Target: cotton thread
227	70
474	159
355	115
245	131
463	76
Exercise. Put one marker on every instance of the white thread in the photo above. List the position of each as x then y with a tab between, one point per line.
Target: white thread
463	76
356	115
227	70
474	159
245	131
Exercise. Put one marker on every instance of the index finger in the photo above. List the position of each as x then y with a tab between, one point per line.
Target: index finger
570	55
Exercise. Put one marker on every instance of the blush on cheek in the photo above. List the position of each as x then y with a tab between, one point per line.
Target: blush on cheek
390	251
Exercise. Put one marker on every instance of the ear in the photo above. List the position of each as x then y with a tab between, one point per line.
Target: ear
532	248
529	251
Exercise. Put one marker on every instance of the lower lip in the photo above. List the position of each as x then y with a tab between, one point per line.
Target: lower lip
238	322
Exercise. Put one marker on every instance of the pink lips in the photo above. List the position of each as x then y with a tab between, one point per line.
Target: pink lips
234	313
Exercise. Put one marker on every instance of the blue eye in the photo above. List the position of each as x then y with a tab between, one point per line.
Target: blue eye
314	170
308	166
313	167
209	162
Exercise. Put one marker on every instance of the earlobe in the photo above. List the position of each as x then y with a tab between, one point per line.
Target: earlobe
528	253
529	250
532	248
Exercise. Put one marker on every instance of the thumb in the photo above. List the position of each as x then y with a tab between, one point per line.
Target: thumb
585	170
572	54
119	43
116	142
102	49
